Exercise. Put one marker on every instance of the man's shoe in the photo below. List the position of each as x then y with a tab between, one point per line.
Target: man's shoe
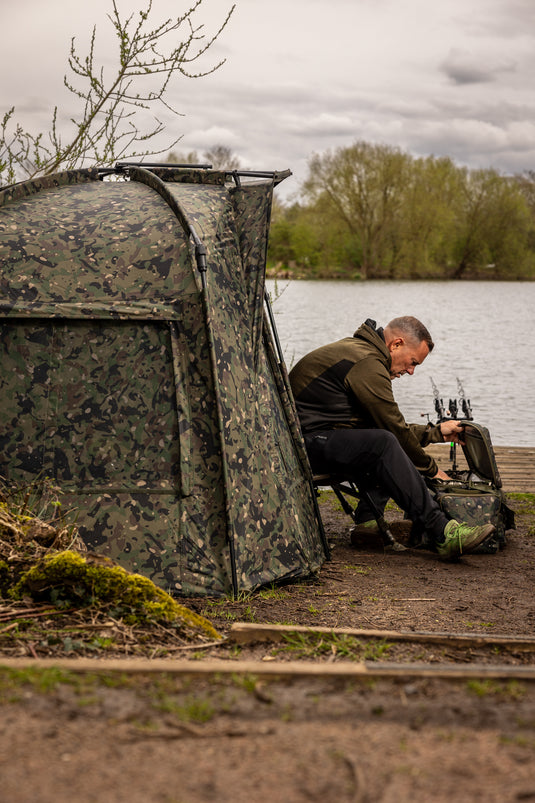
365	529
462	538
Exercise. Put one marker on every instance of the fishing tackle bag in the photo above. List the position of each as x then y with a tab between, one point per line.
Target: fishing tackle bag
475	495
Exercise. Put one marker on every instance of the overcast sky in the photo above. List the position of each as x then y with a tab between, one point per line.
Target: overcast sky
448	78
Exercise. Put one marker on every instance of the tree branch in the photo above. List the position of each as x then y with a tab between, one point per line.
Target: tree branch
106	126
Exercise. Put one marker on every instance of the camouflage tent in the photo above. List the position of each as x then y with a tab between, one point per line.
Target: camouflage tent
141	372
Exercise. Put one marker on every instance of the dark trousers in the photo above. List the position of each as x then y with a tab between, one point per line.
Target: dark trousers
373	459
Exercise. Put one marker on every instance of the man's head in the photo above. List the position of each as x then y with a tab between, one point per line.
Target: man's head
408	342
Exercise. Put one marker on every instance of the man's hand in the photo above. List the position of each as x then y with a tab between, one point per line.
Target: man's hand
441	475
452	431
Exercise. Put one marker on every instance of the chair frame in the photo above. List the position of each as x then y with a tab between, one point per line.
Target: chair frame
343	487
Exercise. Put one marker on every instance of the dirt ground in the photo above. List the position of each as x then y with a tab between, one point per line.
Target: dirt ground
178	739
412	590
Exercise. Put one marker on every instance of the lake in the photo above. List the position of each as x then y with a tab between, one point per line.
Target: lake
481	332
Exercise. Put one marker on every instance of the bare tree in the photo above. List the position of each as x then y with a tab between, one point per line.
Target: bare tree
107	127
220	157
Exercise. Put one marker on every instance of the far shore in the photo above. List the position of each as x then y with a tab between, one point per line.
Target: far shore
317	274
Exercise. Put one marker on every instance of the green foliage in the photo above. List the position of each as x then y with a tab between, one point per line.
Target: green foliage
193	708
371	211
357	569
246	681
274	592
487	687
43	680
363	186
317	645
524	503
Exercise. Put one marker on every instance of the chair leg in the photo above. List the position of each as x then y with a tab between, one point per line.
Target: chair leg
389	542
346	507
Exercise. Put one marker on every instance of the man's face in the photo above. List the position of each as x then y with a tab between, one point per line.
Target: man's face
406	355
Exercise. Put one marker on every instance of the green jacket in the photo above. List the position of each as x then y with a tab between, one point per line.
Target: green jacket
347	384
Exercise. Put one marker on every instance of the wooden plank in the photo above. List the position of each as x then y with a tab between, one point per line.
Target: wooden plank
276	670
516	465
246	633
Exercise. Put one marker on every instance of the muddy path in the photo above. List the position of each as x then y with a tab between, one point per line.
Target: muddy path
169	737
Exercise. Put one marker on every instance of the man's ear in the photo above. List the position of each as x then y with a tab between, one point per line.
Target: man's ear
395	343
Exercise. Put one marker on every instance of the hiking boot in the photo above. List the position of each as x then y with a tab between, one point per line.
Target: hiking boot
364	530
462	538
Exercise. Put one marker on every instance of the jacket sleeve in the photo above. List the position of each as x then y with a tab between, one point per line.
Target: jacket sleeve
427	433
371	386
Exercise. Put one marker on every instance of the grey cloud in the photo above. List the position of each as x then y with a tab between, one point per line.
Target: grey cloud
511	19
462	67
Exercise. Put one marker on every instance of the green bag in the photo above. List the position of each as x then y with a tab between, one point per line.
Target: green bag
475	495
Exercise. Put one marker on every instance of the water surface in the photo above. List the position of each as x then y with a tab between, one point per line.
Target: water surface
482	333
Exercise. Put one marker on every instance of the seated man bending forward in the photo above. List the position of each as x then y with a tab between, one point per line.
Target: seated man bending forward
353	427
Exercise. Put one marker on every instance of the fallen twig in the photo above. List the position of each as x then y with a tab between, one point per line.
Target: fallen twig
31	613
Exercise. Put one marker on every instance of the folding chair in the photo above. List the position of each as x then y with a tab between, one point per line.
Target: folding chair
342	488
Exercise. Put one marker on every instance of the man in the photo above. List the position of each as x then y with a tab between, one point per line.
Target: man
353	427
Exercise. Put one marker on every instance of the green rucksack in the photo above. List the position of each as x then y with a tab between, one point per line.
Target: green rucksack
475	495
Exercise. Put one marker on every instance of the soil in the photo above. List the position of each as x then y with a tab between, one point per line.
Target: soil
169	737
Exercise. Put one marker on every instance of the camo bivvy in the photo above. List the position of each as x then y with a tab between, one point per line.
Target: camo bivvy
141	374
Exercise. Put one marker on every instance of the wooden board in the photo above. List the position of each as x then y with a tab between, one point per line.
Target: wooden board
275	669
246	633
516	465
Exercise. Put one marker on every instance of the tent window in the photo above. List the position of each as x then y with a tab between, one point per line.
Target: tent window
89	403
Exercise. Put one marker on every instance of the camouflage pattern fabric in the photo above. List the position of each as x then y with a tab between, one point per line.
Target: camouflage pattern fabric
475	495
27	188
469	505
156	401
478	506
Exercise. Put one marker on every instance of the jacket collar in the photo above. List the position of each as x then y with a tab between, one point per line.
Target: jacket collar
369	332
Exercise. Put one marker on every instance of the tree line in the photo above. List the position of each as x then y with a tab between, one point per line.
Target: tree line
375	212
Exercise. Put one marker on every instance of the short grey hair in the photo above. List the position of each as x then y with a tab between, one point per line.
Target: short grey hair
413	329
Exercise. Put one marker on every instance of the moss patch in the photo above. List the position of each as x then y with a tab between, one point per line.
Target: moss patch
44	560
70	579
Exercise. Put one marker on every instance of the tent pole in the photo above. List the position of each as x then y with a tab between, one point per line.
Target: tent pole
224	466
273	327
200	259
295	430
